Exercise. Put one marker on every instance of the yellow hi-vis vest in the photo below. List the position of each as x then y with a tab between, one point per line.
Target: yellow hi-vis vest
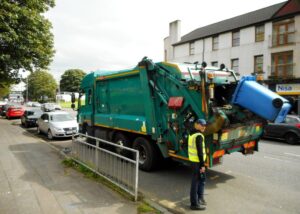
192	149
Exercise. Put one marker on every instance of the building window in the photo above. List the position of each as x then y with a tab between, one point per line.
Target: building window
192	48
235	38
259	33
235	65
258	64
282	64
215	43
214	63
283	33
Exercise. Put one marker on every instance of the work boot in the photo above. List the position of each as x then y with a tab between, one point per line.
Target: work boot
197	207
202	202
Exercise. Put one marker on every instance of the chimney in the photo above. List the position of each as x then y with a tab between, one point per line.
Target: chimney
175	31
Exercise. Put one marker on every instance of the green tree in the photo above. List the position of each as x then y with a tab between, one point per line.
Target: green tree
41	83
4	91
26	42
71	79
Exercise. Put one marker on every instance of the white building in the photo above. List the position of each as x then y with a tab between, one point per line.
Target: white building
265	42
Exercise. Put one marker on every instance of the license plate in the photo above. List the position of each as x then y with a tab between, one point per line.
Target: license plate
69	132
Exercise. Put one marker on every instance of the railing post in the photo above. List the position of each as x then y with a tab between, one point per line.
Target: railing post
97	155
136	175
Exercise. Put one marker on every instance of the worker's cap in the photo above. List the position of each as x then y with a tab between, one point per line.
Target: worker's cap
201	122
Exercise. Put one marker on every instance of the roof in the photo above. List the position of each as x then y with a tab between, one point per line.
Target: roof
56	112
251	18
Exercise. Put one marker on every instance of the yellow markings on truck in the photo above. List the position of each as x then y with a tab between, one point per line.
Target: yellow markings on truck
224	136
257	129
118	75
143	128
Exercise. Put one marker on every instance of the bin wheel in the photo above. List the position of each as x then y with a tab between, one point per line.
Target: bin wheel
291	138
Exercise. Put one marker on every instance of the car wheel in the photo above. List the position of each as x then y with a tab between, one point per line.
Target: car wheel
38	130
291	138
49	135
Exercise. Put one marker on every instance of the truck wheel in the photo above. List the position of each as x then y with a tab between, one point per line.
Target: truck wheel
291	138
148	154
89	131
122	140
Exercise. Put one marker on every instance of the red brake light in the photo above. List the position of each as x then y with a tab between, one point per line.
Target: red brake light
298	125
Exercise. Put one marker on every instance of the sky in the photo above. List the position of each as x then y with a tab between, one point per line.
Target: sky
115	34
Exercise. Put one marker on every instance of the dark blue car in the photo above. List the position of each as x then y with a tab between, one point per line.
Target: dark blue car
289	130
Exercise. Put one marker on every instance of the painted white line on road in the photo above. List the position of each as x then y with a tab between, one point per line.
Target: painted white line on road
268	157
291	154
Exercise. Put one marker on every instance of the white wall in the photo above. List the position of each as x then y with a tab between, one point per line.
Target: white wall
245	52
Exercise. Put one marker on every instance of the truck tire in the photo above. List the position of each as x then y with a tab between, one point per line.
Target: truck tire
122	139
90	132
291	138
148	154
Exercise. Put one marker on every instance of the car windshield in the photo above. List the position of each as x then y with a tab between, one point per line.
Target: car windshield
292	120
61	117
35	112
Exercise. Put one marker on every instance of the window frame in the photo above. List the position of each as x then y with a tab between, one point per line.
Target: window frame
215	43
232	64
236	41
256	65
192	48
282	38
276	66
259	36
215	62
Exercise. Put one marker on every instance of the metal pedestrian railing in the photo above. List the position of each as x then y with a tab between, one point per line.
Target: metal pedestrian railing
101	157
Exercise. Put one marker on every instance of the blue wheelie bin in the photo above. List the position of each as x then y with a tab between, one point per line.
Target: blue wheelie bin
260	100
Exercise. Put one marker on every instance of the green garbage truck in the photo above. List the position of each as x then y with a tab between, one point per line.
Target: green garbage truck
152	107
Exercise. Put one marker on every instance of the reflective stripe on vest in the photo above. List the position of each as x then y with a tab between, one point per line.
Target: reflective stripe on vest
192	148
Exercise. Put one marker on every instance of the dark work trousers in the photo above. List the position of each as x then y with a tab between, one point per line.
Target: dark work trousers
197	185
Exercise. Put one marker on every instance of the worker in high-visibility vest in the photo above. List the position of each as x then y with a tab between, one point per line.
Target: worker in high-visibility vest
197	156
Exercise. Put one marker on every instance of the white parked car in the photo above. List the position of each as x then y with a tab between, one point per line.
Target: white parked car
57	124
57	106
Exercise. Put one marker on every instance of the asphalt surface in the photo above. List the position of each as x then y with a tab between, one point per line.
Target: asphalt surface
33	179
266	182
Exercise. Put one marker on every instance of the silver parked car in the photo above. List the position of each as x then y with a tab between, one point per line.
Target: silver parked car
57	124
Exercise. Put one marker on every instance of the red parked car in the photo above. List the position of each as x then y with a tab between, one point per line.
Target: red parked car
14	111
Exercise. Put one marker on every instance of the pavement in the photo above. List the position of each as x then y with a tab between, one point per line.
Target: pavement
33	179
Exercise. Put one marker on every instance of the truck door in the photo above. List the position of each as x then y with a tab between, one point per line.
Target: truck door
102	98
86	109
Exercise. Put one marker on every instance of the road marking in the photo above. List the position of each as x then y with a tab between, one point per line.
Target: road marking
291	154
268	157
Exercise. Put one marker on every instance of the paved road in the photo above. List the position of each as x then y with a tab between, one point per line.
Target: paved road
266	182
33	180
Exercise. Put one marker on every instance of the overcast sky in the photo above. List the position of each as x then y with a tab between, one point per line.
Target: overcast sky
115	34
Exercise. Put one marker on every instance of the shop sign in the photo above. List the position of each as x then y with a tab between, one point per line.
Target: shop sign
288	88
